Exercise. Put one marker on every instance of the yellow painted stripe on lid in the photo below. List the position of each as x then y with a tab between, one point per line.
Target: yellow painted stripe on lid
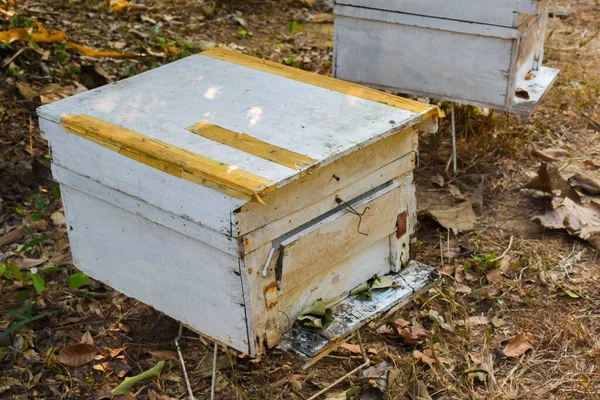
252	145
325	82
169	158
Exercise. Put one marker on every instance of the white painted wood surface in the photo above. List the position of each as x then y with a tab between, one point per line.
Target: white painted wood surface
182	277
319	123
198	254
351	176
423	21
537	87
492	12
475	52
399	168
432	62
182	198
128	203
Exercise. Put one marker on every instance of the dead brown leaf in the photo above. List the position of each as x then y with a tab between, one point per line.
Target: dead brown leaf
163	355
401	323
414	334
115	352
462	288
385	330
293	380
550	181
584	184
591	164
352	348
76	355
87	338
458	219
494	276
576	218
519	344
423	357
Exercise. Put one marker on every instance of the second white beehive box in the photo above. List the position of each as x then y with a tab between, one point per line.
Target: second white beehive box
486	53
224	190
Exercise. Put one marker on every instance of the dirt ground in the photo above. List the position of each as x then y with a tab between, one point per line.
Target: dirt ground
508	283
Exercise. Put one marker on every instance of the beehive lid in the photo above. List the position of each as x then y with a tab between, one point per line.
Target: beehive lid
493	12
234	123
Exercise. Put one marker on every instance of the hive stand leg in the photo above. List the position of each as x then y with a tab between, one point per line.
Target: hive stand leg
185	374
453	141
214	374
182	362
366	363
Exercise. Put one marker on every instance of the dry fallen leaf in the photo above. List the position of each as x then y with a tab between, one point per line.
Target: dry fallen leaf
584	184
163	355
115	352
76	355
591	164
352	348
519	344
462	288
438	180
494	276
293	380
458	219
576	218
385	330
423	357
87	338
414	334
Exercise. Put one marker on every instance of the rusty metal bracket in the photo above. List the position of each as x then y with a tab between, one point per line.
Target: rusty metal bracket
353	211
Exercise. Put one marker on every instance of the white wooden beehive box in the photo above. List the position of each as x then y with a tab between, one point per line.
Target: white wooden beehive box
486	53
180	183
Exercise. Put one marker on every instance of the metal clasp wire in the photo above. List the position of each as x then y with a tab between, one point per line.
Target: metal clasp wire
353	211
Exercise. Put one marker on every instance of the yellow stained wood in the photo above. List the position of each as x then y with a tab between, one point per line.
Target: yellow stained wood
325	82
252	145
168	158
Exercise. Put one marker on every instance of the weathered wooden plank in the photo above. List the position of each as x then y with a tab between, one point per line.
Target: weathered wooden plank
205	206
492	12
428	22
182	277
136	206
337	237
350	314
320	123
325	182
165	157
252	145
537	88
394	170
434	62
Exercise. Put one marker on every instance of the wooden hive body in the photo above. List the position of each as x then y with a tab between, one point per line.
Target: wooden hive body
478	52
180	183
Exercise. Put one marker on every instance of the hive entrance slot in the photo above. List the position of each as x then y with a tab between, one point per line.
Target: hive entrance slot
276	243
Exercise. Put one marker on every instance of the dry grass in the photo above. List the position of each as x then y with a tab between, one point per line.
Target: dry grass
529	297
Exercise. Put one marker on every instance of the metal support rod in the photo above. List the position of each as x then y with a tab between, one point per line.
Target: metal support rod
355	370
453	141
182	362
214	374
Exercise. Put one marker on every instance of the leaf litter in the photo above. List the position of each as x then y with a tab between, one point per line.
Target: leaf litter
76	312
